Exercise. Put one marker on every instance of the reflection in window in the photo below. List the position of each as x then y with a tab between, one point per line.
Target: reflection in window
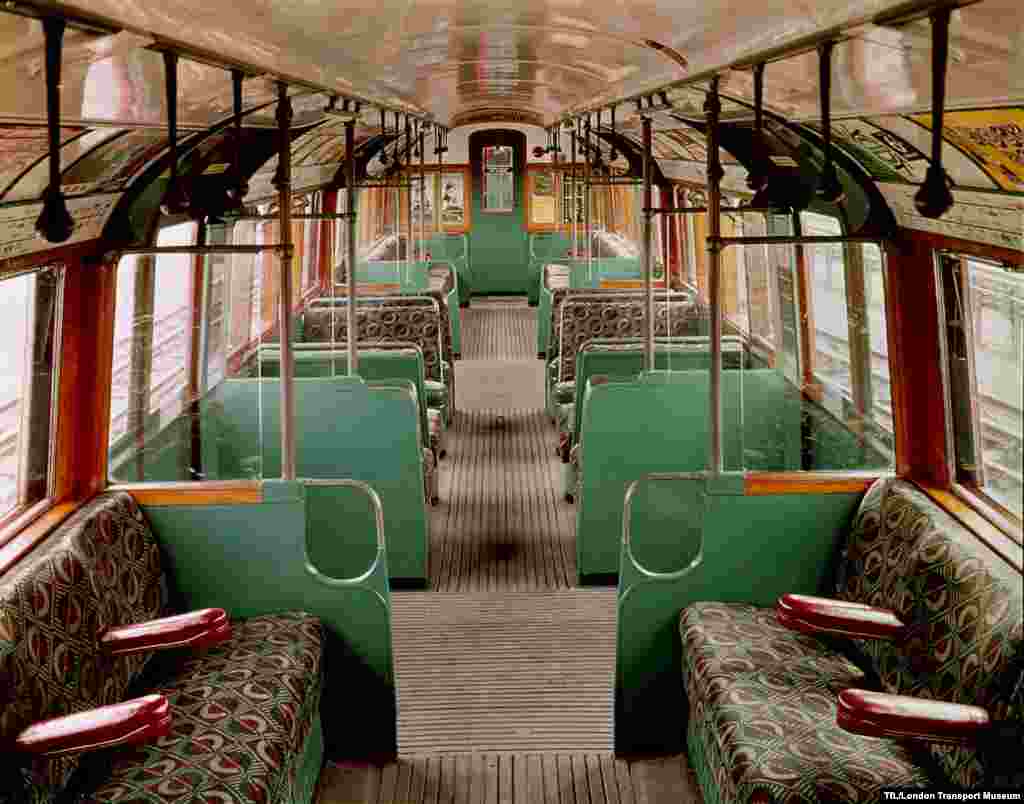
29	309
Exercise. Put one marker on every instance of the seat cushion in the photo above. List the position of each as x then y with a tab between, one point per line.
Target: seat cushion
241	714
763	714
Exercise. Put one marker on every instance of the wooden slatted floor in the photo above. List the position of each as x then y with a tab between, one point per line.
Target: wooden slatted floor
502	523
499	329
505	677
504	672
512	779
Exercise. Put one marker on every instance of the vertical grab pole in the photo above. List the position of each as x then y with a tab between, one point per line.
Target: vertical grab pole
646	252
423	193
587	214
350	184
408	198
713	108
283	182
572	184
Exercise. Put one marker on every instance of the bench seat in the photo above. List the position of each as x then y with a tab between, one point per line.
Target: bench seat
245	714
762	721
245	721
763	699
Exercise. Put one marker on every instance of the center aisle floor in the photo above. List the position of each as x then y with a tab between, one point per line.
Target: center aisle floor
502	523
504	671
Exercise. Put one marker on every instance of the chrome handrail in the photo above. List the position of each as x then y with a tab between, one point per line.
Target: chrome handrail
627	510
378	559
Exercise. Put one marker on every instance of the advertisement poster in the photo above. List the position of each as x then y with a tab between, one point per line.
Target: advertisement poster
453	199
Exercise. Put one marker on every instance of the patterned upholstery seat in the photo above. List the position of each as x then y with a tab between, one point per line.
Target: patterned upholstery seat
422	320
245	715
762	723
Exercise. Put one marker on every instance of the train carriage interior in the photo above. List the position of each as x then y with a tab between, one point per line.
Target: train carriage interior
546	403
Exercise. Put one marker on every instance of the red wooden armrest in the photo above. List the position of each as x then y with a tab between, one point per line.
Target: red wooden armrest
196	629
822	615
136	721
878	714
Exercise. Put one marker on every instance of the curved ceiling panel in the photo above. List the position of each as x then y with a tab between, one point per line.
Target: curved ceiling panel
545	57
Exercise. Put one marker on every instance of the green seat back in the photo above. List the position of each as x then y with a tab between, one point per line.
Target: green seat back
374	364
345	428
659	423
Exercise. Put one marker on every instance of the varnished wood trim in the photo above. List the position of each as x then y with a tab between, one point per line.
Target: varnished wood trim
912	324
763	483
83	390
28	537
214	492
326	256
1001	543
944	242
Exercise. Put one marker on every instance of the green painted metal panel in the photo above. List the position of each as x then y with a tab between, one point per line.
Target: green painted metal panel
659	423
373	365
543	321
411	276
454	250
252	560
754	550
498	248
544	248
344	429
627	364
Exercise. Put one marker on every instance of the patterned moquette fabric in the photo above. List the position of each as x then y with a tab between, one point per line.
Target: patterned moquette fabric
763	713
99	569
561	295
241	713
583	321
417	323
962	603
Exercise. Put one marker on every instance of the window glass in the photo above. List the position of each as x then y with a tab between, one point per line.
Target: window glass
187	403
29	309
810	390
499	186
996	300
572	199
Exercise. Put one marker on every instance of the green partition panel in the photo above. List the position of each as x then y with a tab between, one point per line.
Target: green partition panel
454	249
412	277
752	550
659	423
543	319
266	557
312	360
616	361
544	248
346	428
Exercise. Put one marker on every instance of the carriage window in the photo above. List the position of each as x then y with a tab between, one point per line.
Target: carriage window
572	199
987	375
499	190
187	333
813	391
848	373
30	307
